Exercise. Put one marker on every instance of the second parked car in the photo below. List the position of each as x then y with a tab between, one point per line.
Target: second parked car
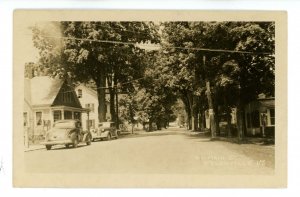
105	131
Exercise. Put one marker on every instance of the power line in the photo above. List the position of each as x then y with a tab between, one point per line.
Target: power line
159	45
114	86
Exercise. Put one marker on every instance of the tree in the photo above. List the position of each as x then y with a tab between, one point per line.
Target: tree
240	77
225	72
185	66
154	97
98	51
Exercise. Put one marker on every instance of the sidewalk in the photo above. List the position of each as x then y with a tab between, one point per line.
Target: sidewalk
34	147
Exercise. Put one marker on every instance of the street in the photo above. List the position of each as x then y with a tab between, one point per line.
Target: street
173	151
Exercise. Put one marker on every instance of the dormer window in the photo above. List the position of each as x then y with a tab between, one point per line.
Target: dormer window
79	93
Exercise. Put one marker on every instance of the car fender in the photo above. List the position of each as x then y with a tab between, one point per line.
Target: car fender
105	133
86	136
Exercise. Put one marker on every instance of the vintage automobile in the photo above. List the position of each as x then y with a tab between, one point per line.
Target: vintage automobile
105	131
66	132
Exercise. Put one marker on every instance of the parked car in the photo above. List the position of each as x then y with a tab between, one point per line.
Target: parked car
67	132
105	131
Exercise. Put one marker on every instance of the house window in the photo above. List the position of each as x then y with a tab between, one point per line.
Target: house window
67	115
272	116
57	115
25	119
91	124
79	92
90	106
38	118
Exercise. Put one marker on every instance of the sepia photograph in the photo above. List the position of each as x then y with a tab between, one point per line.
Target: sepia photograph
150	99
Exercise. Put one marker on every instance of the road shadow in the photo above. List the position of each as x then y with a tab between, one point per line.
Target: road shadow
235	140
148	134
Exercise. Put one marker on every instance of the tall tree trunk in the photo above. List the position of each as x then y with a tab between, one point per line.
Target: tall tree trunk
100	82
112	104
217	119
203	119
199	121
191	117
228	119
195	118
189	121
188	108
150	125
131	117
240	119
111	89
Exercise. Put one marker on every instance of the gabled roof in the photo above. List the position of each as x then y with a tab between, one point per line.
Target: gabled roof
43	90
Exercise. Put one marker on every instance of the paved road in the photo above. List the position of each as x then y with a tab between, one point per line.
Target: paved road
169	151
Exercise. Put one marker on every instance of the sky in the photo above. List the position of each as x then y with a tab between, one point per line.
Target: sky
30	52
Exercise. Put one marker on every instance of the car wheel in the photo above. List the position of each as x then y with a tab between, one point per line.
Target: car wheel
75	143
89	141
67	145
108	137
48	147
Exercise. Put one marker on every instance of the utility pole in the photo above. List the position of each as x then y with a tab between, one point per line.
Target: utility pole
117	106
210	106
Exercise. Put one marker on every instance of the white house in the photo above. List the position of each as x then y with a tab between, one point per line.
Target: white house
47	100
89	99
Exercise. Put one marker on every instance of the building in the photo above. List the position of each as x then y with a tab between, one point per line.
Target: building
47	100
89	100
260	117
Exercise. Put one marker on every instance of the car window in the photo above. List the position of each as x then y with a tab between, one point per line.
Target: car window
64	125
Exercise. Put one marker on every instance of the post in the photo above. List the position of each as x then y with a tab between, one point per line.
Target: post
211	111
210	106
62	114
